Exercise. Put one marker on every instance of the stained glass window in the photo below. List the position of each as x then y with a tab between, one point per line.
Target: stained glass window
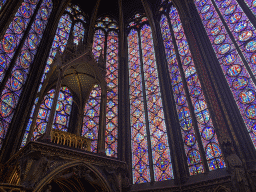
112	94
106	30
59	42
139	140
91	117
98	44
42	116
192	151
62	113
196	96
14	85
14	34
63	110
157	128
236	71
78	32
146	110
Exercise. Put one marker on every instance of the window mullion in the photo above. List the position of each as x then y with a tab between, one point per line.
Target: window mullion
146	112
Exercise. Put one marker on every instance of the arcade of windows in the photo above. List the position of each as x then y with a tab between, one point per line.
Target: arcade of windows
233	38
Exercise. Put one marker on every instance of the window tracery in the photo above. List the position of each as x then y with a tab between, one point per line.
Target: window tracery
65	26
148	128
106	40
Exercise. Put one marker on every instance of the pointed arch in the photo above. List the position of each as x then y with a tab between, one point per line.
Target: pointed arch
106	43
139	140
150	144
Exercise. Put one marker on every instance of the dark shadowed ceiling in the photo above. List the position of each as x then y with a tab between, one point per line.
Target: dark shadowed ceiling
110	7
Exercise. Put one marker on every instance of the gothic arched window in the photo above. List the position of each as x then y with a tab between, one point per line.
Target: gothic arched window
61	117
148	128
71	20
233	39
106	40
187	89
16	60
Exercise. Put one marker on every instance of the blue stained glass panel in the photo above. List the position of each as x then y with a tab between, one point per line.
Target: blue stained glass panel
236	73
20	70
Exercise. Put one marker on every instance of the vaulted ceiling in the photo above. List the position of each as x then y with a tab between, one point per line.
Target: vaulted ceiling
111	7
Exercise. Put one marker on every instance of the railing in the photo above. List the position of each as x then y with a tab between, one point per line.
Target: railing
71	140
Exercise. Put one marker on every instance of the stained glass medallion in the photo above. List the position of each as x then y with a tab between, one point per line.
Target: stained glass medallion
192	151
14	85
14	34
235	71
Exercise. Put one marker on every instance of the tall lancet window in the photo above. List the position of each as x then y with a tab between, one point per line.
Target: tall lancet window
16	58
105	44
233	38
150	148
200	139
72	20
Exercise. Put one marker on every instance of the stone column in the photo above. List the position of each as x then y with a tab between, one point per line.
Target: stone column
102	121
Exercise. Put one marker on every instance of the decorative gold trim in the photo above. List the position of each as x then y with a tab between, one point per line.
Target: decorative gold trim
71	140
